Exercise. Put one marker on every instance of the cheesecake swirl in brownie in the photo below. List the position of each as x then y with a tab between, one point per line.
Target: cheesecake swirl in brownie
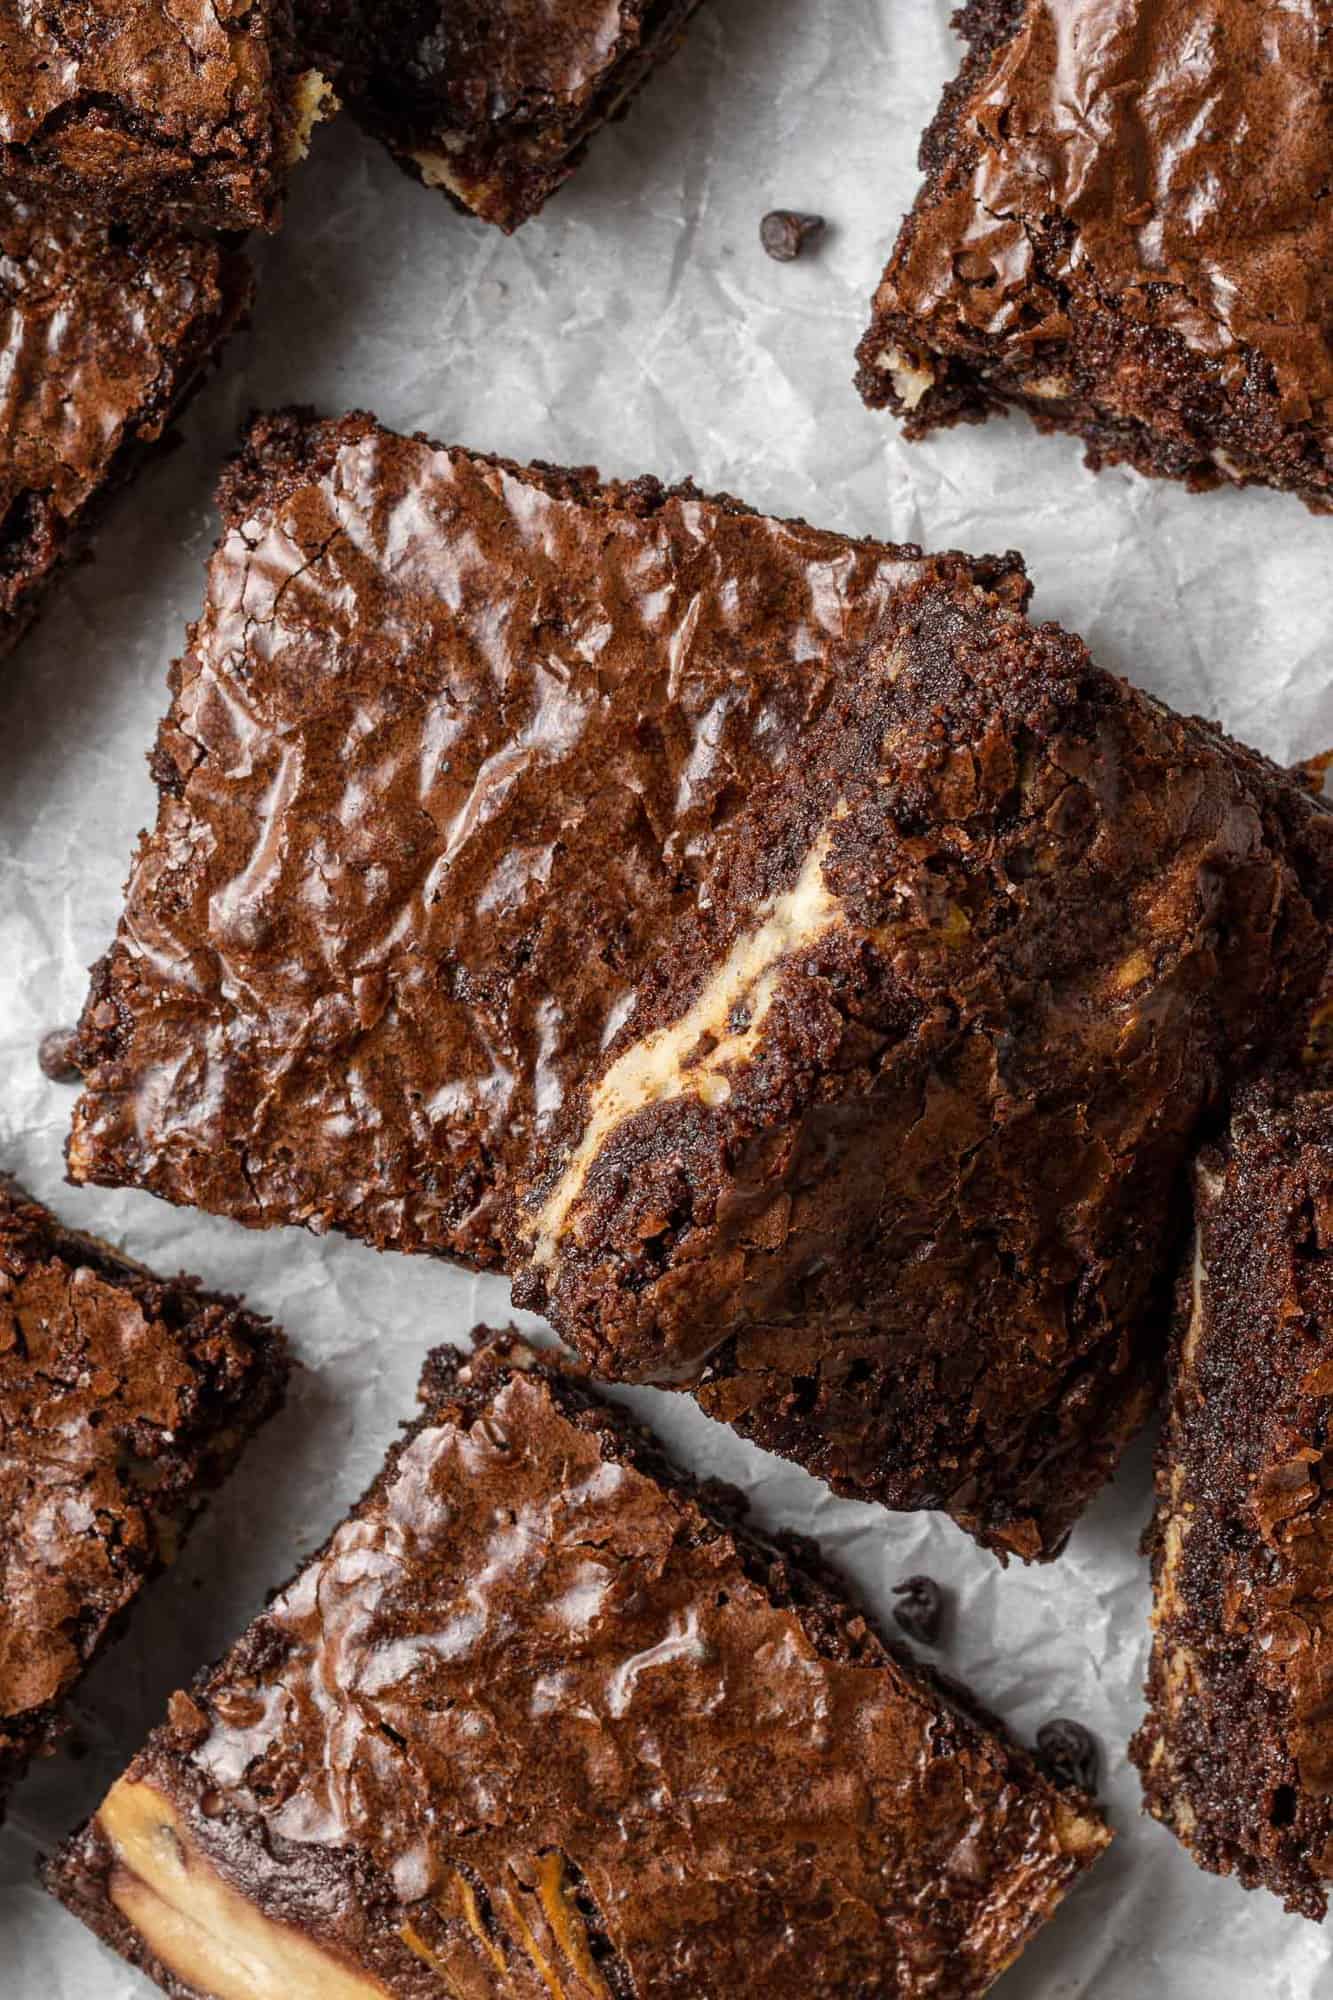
492	101
136	108
806	976
1236	1753
123	1398
545	1716
103	337
1125	228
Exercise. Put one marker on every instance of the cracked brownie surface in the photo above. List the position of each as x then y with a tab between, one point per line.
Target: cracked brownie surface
1126	229
1236	1752
805	976
491	101
138	108
103	335
545	1715
123	1398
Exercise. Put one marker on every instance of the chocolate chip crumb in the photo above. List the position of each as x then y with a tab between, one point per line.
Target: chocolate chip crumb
784	233
921	1613
55	1056
1069	1753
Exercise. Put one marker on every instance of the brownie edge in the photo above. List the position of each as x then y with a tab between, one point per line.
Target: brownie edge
444	1759
124	1398
1236	1749
1146	275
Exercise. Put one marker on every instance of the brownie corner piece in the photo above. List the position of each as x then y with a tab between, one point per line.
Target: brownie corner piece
492	105
147	110
106	331
1236	1751
1146	271
123	1399
449	1755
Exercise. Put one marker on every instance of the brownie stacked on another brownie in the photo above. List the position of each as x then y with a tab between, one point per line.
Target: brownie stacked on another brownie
492	101
103	338
546	1716
1236	1753
1125	229
145	108
807	976
123	1399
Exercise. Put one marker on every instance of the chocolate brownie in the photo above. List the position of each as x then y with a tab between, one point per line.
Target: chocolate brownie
123	1399
805	975
546	1716
1125	230
492	101
1236	1753
145	108
103	335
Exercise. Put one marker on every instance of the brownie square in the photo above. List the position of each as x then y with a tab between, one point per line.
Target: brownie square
104	335
491	101
1124	229
1236	1752
144	108
123	1399
545	1715
806	977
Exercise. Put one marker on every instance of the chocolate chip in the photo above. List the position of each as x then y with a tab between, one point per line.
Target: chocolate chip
784	233
921	1612
1069	1753
55	1056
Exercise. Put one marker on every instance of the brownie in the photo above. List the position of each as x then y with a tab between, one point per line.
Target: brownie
1236	1753
546	1716
141	109
807	978
103	335
1124	229
491	101
123	1398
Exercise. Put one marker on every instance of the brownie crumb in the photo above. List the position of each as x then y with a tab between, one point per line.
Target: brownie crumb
55	1056
921	1611
784	233
1068	1753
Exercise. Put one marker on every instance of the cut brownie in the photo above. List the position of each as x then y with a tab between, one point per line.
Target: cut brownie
806	974
103	337
545	1716
492	101
1237	1749
123	1399
1125	229
142	108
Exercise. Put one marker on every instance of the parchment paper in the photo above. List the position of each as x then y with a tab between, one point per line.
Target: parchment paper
637	325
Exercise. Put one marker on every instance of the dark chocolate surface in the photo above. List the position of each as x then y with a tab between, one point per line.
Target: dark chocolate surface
1125	228
491	101
480	785
136	108
103	336
123	1398
544	1715
1236	1752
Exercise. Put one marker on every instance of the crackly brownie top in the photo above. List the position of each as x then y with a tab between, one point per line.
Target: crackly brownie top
111	1385
1172	154
95	334
554	1696
1245	1523
117	99
452	745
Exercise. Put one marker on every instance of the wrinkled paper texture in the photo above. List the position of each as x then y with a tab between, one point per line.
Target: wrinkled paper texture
637	325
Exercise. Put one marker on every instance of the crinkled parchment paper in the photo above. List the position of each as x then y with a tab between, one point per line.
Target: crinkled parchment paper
637	325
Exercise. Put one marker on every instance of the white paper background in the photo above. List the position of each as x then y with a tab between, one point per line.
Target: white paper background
637	325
